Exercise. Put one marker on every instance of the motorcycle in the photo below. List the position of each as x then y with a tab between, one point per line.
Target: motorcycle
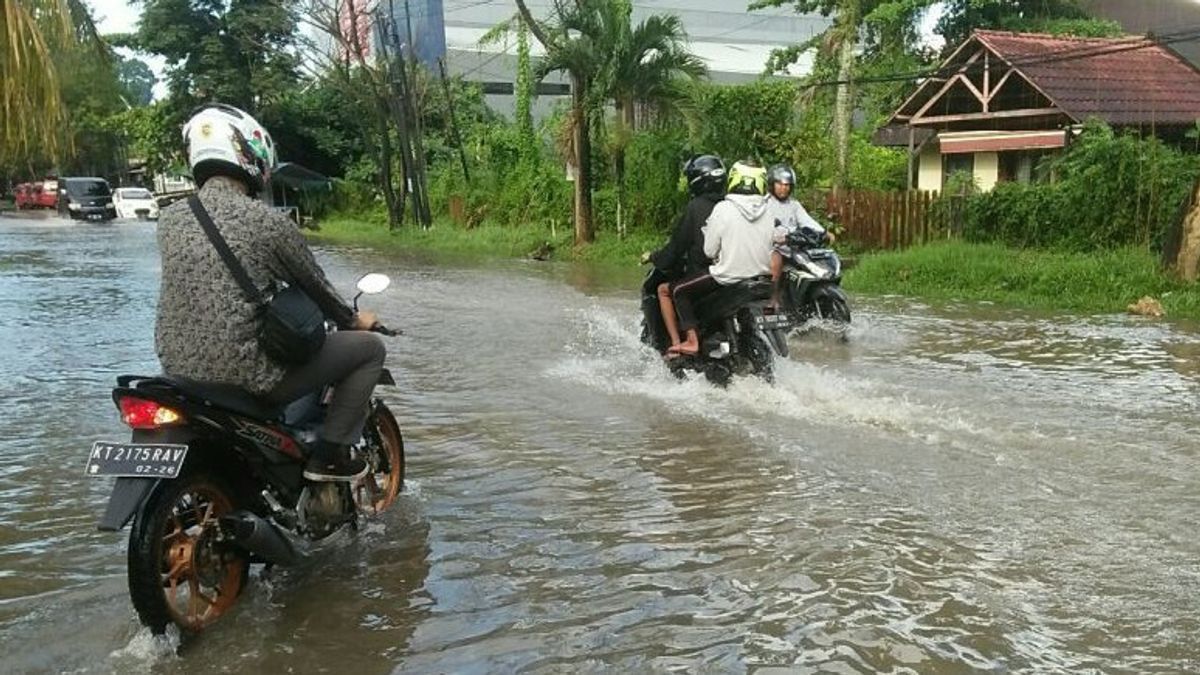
212	480
738	334
810	286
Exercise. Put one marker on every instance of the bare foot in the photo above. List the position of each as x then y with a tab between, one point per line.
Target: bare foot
685	349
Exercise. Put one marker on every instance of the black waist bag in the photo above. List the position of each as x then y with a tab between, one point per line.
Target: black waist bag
291	327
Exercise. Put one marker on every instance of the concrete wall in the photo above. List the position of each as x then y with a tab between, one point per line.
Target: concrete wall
929	170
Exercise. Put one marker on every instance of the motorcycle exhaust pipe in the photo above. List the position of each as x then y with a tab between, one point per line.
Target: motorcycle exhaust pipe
262	538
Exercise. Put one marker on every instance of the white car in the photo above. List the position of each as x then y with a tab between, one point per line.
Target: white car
135	203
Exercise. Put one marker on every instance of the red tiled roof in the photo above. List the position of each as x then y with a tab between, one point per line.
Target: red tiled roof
1123	81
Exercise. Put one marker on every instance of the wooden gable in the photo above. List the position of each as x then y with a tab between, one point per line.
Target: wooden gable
979	89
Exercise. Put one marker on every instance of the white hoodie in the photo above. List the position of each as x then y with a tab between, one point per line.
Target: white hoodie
739	237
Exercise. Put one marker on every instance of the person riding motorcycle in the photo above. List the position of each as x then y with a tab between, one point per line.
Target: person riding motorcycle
684	253
788	215
738	236
206	329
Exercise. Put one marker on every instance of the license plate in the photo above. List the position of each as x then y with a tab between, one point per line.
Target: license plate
774	322
143	460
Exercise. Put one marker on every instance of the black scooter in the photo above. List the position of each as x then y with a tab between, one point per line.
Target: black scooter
811	280
212	480
738	334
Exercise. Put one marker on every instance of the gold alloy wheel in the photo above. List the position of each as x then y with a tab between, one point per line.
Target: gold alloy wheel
379	488
200	581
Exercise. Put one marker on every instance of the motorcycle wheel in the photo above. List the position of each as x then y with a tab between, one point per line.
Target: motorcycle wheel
179	570
762	363
833	307
718	374
384	454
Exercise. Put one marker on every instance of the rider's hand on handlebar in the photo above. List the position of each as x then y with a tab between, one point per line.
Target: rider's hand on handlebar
645	259
364	320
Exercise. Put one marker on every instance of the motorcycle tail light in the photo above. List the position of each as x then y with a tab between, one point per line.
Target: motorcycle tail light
140	413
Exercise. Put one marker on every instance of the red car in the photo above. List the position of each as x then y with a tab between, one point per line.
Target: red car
48	197
42	195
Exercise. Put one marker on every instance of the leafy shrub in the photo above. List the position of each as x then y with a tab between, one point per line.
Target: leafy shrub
1109	190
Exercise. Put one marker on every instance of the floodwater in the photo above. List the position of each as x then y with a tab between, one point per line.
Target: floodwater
959	488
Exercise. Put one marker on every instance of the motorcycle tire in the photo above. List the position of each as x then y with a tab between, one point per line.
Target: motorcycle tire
174	543
384	454
833	307
718	374
762	361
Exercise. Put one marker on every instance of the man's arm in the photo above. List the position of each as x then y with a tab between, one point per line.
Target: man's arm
299	267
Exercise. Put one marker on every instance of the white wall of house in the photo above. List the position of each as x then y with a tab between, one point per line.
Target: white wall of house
929	170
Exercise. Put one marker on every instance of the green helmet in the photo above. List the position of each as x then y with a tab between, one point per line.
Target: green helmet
747	178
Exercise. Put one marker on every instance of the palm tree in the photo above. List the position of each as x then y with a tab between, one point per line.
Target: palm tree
607	59
646	68
31	107
575	44
648	62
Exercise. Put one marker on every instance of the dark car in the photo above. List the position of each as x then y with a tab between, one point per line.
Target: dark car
86	199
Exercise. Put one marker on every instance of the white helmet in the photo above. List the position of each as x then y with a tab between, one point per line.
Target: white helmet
225	141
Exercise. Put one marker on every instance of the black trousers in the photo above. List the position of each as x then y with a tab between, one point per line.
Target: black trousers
351	360
686	291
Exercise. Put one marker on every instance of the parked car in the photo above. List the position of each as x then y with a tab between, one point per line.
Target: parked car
135	202
86	199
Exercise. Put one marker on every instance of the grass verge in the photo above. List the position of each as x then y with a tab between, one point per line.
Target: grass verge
447	238
1079	282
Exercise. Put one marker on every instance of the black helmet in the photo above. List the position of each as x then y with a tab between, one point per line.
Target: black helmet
704	174
780	173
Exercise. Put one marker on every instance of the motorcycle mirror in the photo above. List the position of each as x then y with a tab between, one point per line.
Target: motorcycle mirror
373	283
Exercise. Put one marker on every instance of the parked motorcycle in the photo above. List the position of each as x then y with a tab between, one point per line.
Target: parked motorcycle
212	480
811	280
738	336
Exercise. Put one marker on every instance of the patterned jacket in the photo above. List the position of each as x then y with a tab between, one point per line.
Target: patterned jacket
206	328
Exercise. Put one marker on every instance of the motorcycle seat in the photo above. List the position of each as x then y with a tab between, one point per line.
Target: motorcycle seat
229	397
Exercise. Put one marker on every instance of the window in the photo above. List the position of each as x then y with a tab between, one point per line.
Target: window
957	163
1021	166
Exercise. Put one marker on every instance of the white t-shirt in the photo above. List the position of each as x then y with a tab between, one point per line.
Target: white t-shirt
789	216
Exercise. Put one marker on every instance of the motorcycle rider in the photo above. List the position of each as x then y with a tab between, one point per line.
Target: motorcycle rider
684	253
788	215
738	236
206	329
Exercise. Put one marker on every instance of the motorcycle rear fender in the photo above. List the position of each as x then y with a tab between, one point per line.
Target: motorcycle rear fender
129	493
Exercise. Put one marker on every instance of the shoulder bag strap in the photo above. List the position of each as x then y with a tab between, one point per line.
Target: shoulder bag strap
231	261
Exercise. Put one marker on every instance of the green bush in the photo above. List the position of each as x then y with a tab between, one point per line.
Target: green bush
1109	190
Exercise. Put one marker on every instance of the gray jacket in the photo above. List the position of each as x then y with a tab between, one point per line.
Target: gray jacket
738	237
206	328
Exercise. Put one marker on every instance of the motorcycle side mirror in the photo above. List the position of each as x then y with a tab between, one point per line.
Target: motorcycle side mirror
371	284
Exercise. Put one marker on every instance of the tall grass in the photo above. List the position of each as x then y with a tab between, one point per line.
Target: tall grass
1102	282
449	239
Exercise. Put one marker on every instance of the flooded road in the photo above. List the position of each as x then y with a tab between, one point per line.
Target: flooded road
960	488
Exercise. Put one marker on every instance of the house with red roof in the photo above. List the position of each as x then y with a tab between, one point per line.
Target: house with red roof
1003	101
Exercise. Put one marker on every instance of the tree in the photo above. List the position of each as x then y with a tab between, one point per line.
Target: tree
880	29
960	17
645	67
137	80
238	52
32	111
571	44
